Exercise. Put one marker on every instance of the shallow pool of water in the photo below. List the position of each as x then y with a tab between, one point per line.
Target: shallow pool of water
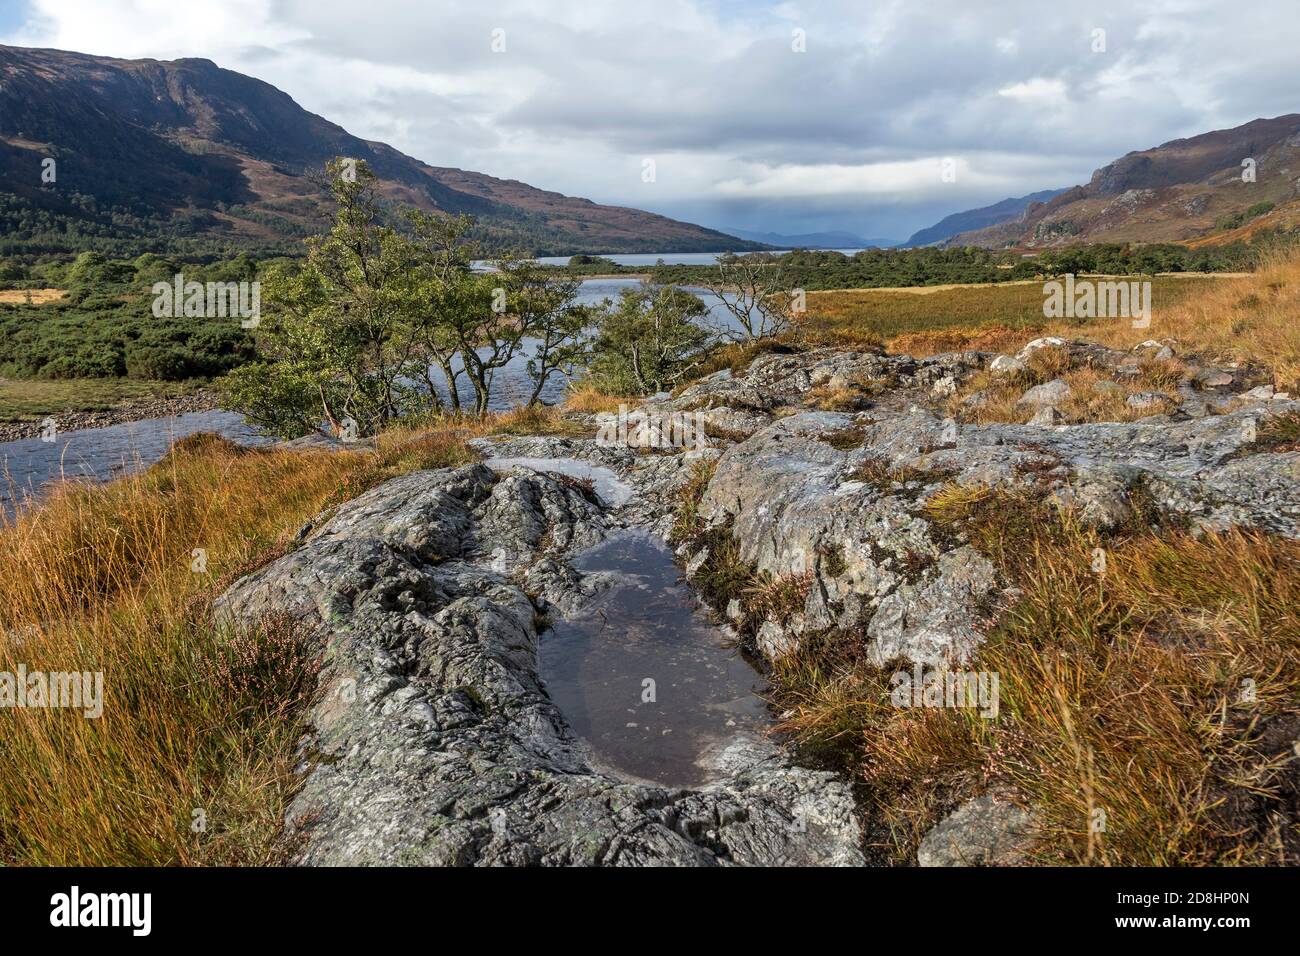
642	674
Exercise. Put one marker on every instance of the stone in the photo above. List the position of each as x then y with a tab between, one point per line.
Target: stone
945	387
433	741
1006	365
1046	342
1153	349
1151	400
1046	417
1212	378
985	831
695	563
1049	393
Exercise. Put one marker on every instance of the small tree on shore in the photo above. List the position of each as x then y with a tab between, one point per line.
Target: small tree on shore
334	337
750	288
356	332
648	340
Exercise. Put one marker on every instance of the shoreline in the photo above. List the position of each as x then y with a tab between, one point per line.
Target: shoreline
134	410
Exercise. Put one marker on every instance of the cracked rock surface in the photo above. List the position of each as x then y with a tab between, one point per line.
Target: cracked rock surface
434	742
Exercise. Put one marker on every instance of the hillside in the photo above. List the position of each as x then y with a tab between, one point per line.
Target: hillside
1186	190
188	153
981	218
815	240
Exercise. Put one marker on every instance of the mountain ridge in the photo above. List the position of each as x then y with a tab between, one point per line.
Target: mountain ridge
979	218
215	153
1191	189
826	239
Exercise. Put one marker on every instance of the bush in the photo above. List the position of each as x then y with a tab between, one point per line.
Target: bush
160	363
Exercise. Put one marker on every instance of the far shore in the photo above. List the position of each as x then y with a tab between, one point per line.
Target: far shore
132	410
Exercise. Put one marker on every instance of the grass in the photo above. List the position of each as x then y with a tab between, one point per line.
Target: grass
30	296
1231	318
1245	319
1159	697
1095	394
588	399
198	723
32	398
844	439
955	318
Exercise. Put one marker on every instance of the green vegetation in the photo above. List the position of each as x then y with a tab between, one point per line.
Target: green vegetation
104	327
1238	219
648	342
353	331
33	398
904	268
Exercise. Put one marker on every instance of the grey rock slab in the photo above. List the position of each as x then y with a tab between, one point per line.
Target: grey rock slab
433	741
985	831
1049	393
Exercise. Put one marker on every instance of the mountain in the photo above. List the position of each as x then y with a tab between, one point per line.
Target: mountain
1187	190
813	240
972	219
185	151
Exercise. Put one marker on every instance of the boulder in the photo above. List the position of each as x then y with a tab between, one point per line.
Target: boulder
985	831
1049	393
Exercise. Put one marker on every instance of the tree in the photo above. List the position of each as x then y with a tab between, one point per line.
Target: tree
357	330
649	340
475	324
750	289
335	333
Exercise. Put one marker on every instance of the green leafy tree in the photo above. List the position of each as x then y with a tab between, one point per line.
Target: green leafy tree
336	328
648	340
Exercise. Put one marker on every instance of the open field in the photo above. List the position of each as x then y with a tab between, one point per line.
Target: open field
1223	318
32	398
1016	307
30	296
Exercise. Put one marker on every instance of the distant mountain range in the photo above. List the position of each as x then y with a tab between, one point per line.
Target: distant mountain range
185	150
1206	189
813	240
981	218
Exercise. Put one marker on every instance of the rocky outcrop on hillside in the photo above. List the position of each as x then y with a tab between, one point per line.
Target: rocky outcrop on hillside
434	740
841	497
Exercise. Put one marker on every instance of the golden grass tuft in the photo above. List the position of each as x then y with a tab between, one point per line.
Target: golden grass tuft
1158	698
1246	318
590	400
192	761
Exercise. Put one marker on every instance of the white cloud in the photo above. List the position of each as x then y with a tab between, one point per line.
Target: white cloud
1038	90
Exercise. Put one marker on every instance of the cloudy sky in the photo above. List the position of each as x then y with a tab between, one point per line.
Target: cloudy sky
788	116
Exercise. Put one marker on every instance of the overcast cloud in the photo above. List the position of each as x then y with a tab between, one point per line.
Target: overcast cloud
745	130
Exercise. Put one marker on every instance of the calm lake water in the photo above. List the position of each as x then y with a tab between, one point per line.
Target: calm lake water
101	453
643	676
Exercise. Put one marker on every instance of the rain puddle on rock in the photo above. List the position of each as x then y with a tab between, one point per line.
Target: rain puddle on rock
648	627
